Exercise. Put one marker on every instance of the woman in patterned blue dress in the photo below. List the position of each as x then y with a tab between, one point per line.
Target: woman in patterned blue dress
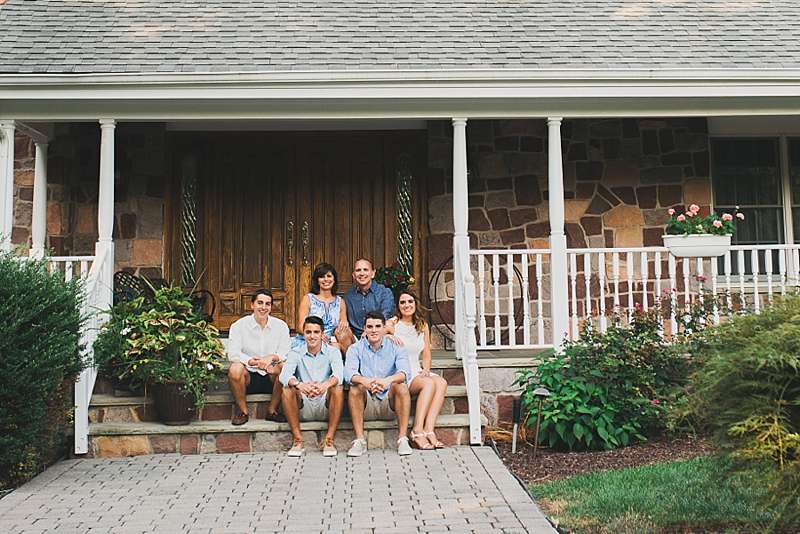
327	305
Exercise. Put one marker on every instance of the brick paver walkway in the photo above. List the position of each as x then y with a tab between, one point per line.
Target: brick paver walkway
459	489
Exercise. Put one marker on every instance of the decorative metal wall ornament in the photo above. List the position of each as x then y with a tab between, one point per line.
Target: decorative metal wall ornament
405	192
188	222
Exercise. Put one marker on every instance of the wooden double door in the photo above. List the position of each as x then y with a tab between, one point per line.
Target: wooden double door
271	206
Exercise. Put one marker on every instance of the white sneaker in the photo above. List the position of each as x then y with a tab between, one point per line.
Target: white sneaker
403	447
296	451
328	448
358	447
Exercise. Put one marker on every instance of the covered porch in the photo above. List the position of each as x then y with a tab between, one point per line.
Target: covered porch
532	291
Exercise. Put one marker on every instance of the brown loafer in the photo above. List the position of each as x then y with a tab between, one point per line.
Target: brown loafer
239	419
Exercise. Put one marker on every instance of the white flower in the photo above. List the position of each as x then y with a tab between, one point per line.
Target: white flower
125	331
687	318
209	366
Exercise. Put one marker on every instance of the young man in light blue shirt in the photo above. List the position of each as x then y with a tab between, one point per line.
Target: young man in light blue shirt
312	378
377	371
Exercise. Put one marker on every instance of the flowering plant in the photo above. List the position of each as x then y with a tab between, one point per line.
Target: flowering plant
395	278
691	223
161	341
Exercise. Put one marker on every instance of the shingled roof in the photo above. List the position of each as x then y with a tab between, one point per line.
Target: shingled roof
143	36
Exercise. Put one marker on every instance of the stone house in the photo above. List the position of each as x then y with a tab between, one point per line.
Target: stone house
517	158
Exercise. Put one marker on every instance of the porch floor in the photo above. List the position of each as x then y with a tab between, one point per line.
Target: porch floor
461	488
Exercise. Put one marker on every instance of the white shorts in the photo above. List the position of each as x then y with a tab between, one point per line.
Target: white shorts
314	409
377	409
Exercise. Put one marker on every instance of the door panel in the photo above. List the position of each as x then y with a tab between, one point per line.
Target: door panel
273	205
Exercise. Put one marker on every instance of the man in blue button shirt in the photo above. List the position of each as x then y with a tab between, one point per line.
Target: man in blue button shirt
377	371
312	377
366	296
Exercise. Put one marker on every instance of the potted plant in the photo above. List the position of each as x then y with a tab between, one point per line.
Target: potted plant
691	236
165	346
394	277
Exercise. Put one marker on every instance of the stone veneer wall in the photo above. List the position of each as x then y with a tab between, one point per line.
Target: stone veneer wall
73	168
620	176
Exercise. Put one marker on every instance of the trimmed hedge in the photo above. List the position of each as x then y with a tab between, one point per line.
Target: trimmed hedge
39	360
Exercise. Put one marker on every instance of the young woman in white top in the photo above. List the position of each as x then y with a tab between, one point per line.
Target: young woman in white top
412	331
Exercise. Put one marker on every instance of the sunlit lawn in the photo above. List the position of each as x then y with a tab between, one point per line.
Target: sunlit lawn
697	495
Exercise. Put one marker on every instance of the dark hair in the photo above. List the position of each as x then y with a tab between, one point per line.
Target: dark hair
262	291
321	270
362	258
374	315
417	318
313	319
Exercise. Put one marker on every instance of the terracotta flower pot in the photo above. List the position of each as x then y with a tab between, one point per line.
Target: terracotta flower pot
697	245
173	406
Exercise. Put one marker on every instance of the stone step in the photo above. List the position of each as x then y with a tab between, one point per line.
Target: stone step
219	406
132	439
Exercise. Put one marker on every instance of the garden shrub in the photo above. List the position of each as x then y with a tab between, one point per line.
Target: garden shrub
746	390
607	389
39	360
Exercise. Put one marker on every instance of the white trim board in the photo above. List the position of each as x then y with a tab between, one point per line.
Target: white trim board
505	93
166	110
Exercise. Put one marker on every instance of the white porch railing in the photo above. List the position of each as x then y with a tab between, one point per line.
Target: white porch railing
513	287
512	312
97	296
71	266
604	281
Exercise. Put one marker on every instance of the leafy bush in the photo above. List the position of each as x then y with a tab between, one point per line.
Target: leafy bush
607	389
160	341
747	391
395	278
40	358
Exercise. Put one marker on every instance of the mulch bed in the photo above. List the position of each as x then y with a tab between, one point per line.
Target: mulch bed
551	465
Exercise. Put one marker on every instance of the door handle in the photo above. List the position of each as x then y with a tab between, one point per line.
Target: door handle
304	238
290	242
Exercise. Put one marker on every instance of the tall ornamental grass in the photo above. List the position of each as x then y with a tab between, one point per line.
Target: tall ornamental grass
747	391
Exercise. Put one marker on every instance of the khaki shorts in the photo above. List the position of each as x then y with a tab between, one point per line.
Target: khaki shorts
377	409
314	409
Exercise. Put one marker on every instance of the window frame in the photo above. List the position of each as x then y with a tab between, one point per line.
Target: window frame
783	170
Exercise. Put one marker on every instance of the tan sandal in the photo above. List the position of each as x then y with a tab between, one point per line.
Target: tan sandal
435	441
420	436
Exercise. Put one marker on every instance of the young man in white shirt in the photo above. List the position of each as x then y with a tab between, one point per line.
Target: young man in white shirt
257	347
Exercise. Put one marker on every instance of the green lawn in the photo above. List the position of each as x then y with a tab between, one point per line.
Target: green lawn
693	495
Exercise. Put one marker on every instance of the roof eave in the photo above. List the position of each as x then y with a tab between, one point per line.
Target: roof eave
443	76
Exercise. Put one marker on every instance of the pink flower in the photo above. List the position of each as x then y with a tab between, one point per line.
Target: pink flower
671	211
740	216
694	208
700	278
655	402
690	213
727	217
681	218
717	224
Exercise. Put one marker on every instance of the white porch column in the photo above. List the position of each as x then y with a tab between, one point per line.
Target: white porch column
466	346
6	183
39	217
460	216
559	296
105	207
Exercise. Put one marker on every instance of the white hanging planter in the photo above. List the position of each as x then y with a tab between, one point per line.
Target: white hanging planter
697	245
